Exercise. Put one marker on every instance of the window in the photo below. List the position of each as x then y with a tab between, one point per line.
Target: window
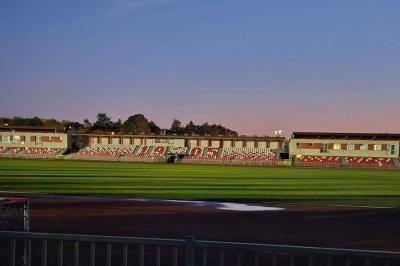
350	147
364	147
44	139
56	139
391	149
377	147
33	138
324	148
337	146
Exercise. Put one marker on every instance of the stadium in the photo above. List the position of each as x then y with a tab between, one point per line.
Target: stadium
303	149
199	133
336	185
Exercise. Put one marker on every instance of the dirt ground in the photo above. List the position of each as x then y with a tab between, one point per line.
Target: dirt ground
311	225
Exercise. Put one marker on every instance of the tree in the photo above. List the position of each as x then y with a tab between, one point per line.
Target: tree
154	128
52	123
36	121
73	126
136	124
19	121
86	123
103	123
176	127
117	126
190	128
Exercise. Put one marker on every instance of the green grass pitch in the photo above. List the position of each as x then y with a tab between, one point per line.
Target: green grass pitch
201	182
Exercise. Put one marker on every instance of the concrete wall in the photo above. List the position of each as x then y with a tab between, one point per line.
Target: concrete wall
262	144
164	142
341	148
203	143
126	141
273	145
189	142
227	144
192	143
250	144
34	140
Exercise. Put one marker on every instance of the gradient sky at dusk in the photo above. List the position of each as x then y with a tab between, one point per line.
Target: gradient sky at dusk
252	65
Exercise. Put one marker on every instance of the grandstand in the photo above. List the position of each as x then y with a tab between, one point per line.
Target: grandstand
305	149
344	149
184	149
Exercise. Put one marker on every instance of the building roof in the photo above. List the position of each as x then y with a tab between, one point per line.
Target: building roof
32	129
330	135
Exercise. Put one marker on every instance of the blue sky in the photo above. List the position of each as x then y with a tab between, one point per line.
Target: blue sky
253	65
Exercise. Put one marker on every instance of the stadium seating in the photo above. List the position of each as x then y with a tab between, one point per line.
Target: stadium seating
195	152
248	154
211	153
153	152
146	153
319	161
10	151
245	156
3	150
335	161
39	153
101	153
177	150
367	162
206	160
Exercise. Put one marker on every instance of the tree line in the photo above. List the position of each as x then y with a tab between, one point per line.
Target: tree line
135	124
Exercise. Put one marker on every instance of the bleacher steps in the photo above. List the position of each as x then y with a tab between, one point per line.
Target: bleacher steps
136	149
204	153
344	162
150	150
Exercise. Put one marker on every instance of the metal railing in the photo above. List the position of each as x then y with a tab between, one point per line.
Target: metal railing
187	252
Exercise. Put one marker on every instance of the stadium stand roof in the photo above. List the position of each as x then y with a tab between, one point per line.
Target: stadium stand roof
186	137
328	135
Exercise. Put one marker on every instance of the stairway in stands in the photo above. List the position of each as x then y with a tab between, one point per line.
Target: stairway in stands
397	162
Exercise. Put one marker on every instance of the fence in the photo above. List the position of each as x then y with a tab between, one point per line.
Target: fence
82	250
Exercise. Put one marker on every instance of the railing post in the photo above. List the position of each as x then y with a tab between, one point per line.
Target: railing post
76	253
108	256
27	252
13	242
175	257
60	253
141	255
92	253
189	252
44	252
125	255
